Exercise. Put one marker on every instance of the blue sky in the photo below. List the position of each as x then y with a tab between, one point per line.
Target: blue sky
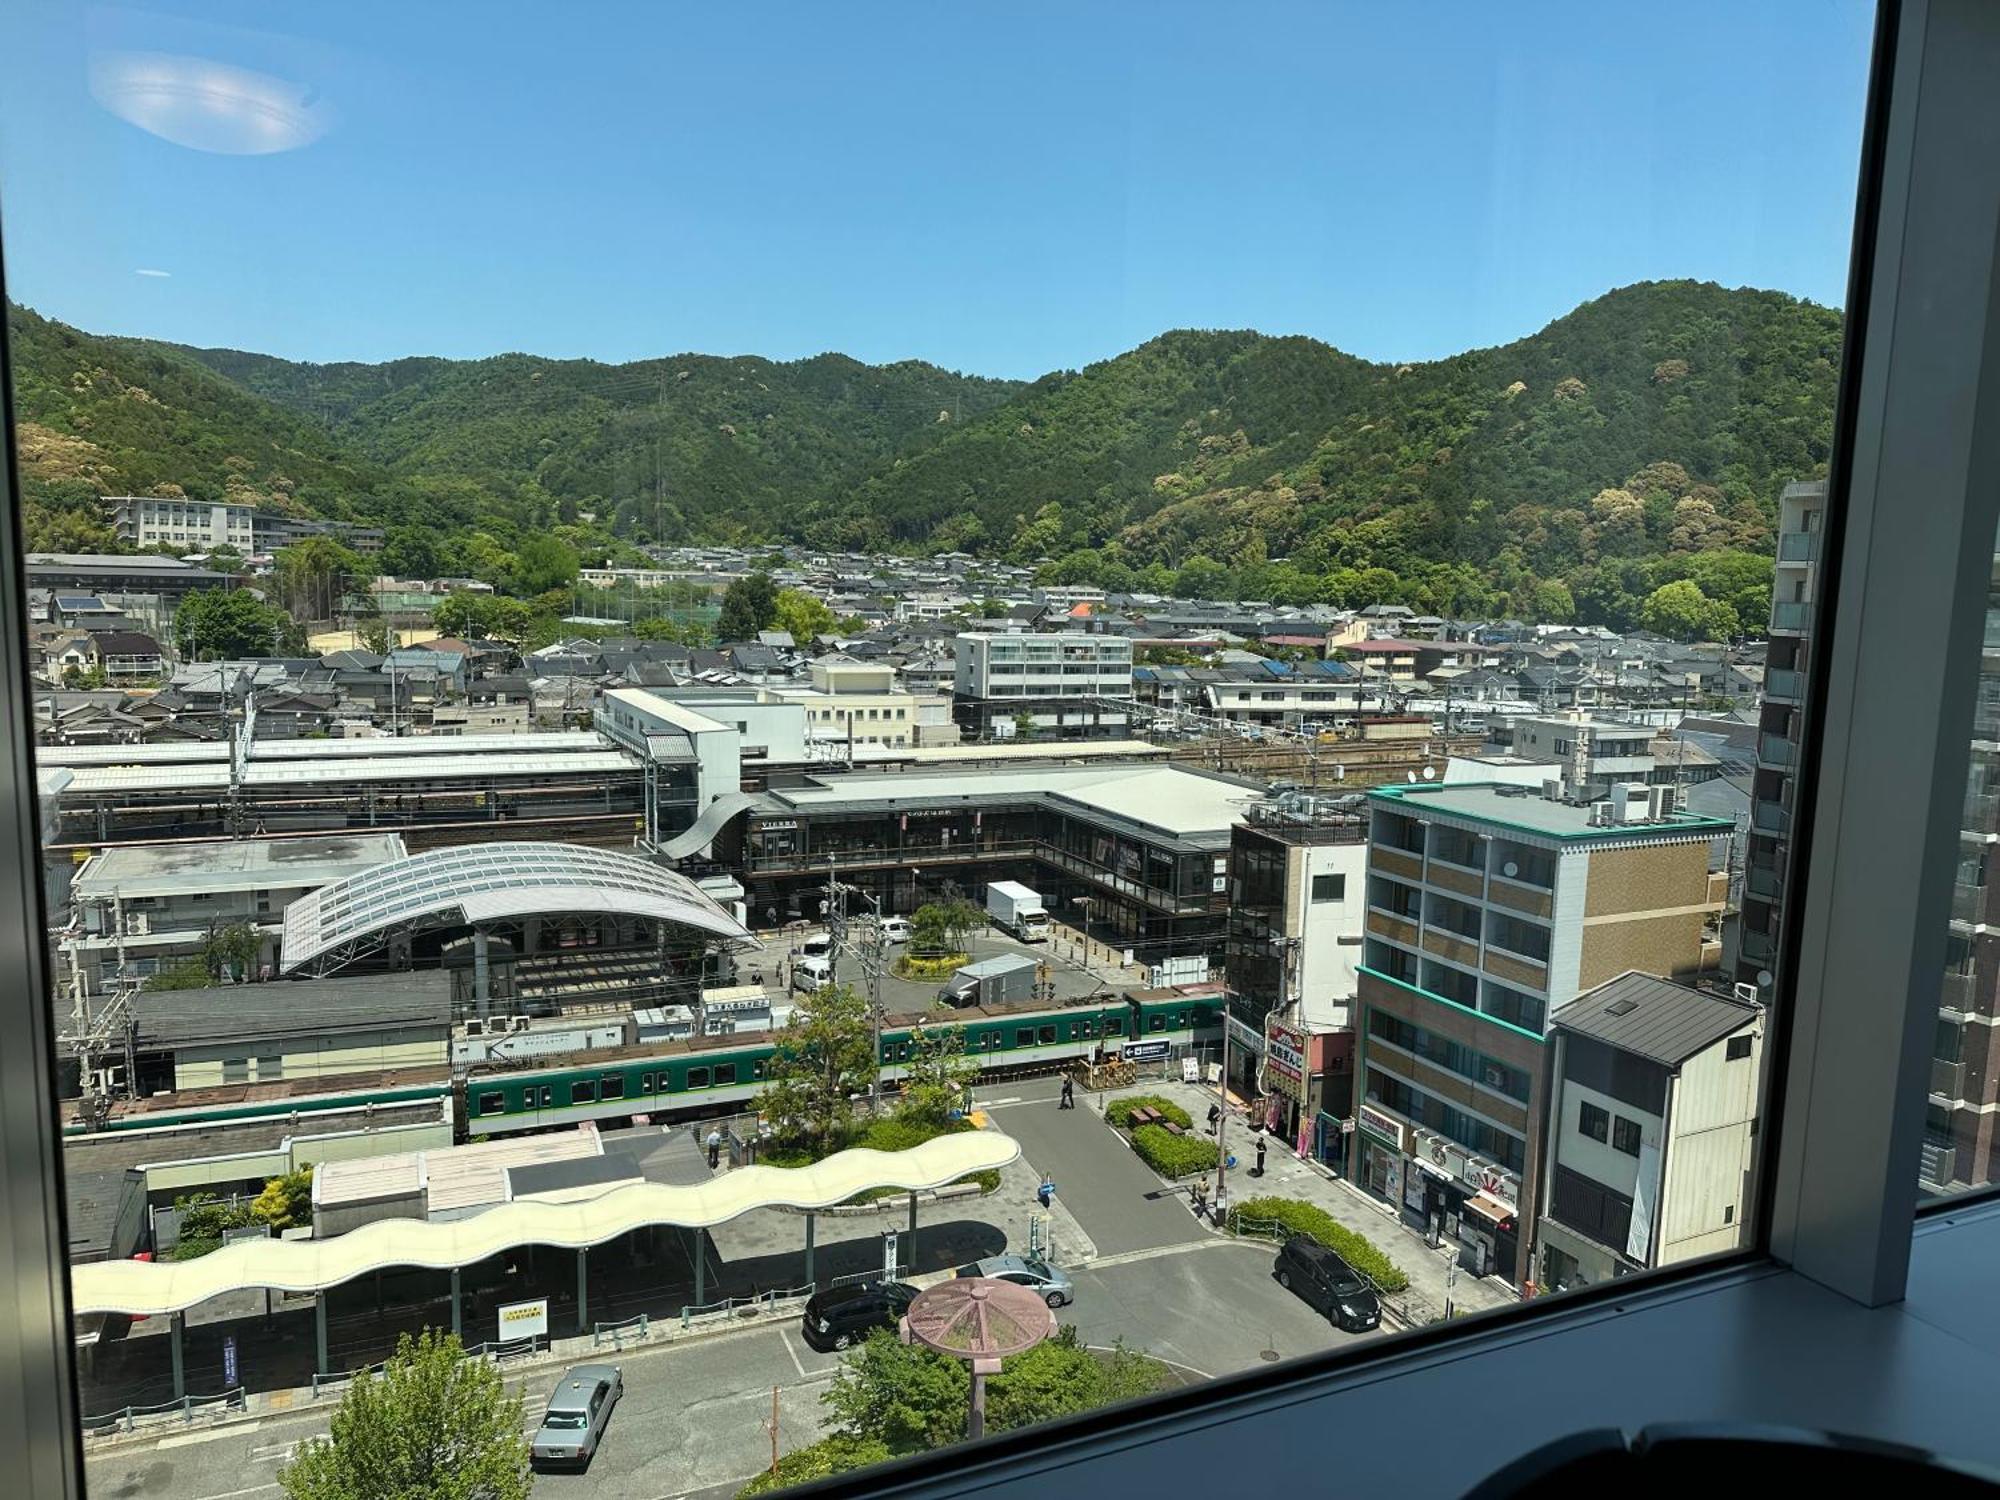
1000	188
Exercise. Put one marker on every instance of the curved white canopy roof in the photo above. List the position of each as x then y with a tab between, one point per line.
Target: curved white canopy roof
474	883
149	1289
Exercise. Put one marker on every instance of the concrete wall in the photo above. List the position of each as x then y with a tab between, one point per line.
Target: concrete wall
307	1057
1328	966
1706	1191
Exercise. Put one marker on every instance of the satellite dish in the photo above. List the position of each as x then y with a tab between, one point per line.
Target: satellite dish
1430	773
1510	869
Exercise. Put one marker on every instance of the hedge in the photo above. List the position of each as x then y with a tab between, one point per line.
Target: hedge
1173	1155
837	1454
1304	1218
909	966
1119	1110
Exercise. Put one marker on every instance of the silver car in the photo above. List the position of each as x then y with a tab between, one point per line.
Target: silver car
1055	1286
577	1415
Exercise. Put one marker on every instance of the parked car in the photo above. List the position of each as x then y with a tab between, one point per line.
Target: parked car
845	1315
577	1415
1055	1286
895	929
1328	1283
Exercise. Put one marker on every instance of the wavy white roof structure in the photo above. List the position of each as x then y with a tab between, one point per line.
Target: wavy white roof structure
473	883
151	1289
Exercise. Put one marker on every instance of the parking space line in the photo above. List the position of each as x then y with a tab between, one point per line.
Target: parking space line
785	1339
187	1439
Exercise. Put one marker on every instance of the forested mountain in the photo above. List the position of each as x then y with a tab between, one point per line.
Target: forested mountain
1572	470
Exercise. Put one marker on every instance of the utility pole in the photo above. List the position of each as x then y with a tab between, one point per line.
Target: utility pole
1222	1119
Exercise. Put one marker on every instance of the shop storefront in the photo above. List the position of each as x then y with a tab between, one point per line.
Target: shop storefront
1379	1139
1467	1201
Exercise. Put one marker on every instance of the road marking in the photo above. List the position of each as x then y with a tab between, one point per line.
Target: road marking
274	1453
255	1489
190	1438
1177	1364
998	1103
1128	1257
785	1339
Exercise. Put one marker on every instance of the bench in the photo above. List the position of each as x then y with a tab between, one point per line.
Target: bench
1147	1116
1172	1128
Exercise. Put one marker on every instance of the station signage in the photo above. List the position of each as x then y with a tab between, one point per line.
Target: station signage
521	1320
1137	1052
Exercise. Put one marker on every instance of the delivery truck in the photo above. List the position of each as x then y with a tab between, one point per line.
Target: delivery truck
1013	908
991	980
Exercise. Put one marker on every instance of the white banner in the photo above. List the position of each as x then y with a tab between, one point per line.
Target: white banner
520	1320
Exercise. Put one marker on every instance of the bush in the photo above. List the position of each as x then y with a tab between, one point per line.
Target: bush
909	966
1173	1155
1305	1218
821	1460
1119	1110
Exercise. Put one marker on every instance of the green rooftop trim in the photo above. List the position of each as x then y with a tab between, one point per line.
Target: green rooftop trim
1417	989
1411	798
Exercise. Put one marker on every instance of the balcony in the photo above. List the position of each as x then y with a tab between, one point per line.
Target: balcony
1388	925
1960	993
1536	900
1968	903
1447	944
1938	1164
1792	616
1396	862
1784	685
1767	881
1459	879
1798	547
1517	968
1769	817
1947	1078
1775	750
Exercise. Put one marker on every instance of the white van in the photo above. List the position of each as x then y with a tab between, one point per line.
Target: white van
816	947
812	974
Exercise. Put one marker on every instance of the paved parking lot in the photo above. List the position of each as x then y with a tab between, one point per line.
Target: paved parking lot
1062	958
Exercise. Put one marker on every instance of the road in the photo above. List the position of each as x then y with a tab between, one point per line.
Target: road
1116	1197
693	1418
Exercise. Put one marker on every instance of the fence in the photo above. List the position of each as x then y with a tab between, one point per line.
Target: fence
742	1307
638	1326
126	1419
495	1351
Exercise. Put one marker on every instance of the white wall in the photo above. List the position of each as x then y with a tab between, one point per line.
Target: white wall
1327	967
1600	1160
1711	1153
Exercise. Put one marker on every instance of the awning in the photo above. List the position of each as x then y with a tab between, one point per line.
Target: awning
1492	1209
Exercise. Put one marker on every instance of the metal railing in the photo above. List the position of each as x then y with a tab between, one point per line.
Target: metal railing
730	1308
127	1418
637	1328
492	1349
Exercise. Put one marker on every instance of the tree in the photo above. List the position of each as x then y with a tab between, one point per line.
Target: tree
434	1425
544	563
286	1201
231	952
217	624
941	927
410	552
1682	611
1024	725
201	1220
936	1076
313	576
188	974
376	635
800	613
823	1057
224	558
748	606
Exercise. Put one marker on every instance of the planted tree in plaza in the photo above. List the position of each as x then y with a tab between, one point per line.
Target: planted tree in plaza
286	1201
936	1076
822	1058
434	1425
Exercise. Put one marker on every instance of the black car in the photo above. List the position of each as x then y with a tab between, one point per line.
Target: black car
1328	1283
844	1315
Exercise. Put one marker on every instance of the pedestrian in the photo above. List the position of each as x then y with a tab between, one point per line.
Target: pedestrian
1258	1170
1214	1114
1047	1191
714	1148
1069	1093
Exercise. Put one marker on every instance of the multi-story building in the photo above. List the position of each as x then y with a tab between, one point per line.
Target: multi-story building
1588	752
1794	590
201	525
1652	1129
1489	907
1297	878
856	703
1962	1132
1068	685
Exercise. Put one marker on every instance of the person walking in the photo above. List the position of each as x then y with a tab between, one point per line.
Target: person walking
1214	1114
1258	1170
714	1148
1068	1093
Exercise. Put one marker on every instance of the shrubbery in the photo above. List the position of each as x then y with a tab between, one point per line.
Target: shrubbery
1304	1218
821	1460
909	966
1119	1110
1173	1155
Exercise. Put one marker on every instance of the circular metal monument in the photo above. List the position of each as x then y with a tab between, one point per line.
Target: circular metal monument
981	1321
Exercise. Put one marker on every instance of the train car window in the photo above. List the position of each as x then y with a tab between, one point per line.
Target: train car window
757	1068
583	1093
1114	1026
645	1083
1156	1022
668	1082
725	1073
697	1078
1180	1019
1025	1037
1090	1026
612	1086
548	1097
1046	1036
492	1104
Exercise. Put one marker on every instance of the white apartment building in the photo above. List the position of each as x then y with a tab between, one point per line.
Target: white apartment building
1588	752
197	525
1651	1130
1061	681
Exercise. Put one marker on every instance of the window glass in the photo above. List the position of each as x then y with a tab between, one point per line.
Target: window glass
520	549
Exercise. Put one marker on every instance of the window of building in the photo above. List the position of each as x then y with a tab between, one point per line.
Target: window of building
1625	1135
1329	887
1737	1049
1592	1120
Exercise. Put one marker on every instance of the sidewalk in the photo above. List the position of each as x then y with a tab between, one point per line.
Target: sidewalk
1285	1176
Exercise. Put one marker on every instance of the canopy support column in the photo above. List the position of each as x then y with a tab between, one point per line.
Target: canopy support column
178	1324
810	1281
457	1307
319	1330
583	1290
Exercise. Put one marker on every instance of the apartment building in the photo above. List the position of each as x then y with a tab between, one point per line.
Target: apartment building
1961	1143
1297	886
1652	1129
201	525
1489	908
1589	752
1780	723
1064	684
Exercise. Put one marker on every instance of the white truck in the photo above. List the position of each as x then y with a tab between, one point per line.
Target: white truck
1014	908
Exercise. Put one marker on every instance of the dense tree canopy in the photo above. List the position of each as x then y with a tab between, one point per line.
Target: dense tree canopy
749	605
218	624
